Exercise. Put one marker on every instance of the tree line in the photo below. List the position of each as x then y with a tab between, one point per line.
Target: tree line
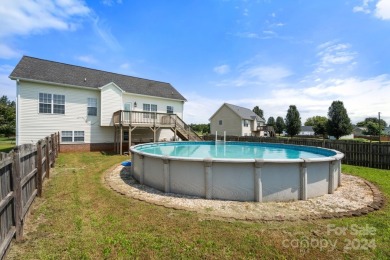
337	123
7	117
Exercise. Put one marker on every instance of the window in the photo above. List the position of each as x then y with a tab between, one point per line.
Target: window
78	136
66	136
246	123
169	109
220	122
125	136
149	108
92	107
51	103
72	136
58	104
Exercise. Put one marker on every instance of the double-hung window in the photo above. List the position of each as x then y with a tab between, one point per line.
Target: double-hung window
92	107
149	108
51	103
169	109
72	136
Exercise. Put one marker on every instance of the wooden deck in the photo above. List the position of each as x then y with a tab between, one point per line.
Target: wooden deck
130	120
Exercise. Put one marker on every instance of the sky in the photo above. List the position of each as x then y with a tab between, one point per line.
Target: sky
266	53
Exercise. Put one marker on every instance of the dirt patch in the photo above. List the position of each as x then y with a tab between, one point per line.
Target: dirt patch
354	197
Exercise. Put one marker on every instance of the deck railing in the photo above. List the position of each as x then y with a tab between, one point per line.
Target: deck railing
141	118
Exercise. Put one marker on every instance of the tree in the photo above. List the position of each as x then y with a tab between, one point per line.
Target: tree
293	121
258	111
271	121
318	123
279	125
372	128
319	126
201	128
338	123
7	116
373	120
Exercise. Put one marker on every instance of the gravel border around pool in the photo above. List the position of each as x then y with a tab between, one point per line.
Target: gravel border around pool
355	197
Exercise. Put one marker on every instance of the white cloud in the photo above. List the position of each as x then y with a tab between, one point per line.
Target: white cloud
104	31
265	73
18	17
87	59
361	97
332	54
364	7
383	9
223	69
111	2
7	86
8	53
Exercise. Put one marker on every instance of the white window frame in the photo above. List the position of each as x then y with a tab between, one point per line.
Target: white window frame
55	103
246	123
92	103
170	110
75	136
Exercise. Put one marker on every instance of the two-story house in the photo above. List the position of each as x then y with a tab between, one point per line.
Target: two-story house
238	121
94	109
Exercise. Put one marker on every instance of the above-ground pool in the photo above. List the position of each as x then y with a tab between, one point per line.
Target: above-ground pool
238	170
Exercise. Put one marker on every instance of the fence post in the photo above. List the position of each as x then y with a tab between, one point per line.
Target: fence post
39	168
47	149
370	155
17	189
53	150
58	142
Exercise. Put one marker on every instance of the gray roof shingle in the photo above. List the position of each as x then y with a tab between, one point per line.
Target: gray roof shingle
30	68
244	113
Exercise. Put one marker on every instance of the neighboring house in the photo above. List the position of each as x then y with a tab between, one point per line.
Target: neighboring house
359	130
306	130
238	121
93	109
386	131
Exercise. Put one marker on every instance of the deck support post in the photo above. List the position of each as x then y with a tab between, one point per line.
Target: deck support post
121	139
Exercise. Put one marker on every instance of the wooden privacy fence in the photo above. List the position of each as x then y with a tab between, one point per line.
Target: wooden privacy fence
22	172
374	155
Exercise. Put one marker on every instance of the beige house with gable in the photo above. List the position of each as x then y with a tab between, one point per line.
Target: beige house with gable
237	121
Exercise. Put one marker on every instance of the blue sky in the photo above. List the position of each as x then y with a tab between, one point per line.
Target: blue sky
267	53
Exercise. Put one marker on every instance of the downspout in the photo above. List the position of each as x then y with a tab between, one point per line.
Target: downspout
17	112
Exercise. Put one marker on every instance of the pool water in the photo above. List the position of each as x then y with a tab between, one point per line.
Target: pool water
234	150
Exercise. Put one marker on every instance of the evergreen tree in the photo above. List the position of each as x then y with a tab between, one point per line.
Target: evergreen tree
338	123
258	111
279	125
293	121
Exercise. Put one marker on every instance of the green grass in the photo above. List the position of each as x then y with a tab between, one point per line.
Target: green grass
6	144
80	218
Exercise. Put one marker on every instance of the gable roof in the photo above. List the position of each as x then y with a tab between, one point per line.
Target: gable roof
34	69
242	112
306	128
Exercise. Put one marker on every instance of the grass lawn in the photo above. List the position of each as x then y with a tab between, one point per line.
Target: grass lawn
78	217
6	144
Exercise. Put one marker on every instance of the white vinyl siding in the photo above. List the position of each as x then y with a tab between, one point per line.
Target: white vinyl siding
111	101
33	125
